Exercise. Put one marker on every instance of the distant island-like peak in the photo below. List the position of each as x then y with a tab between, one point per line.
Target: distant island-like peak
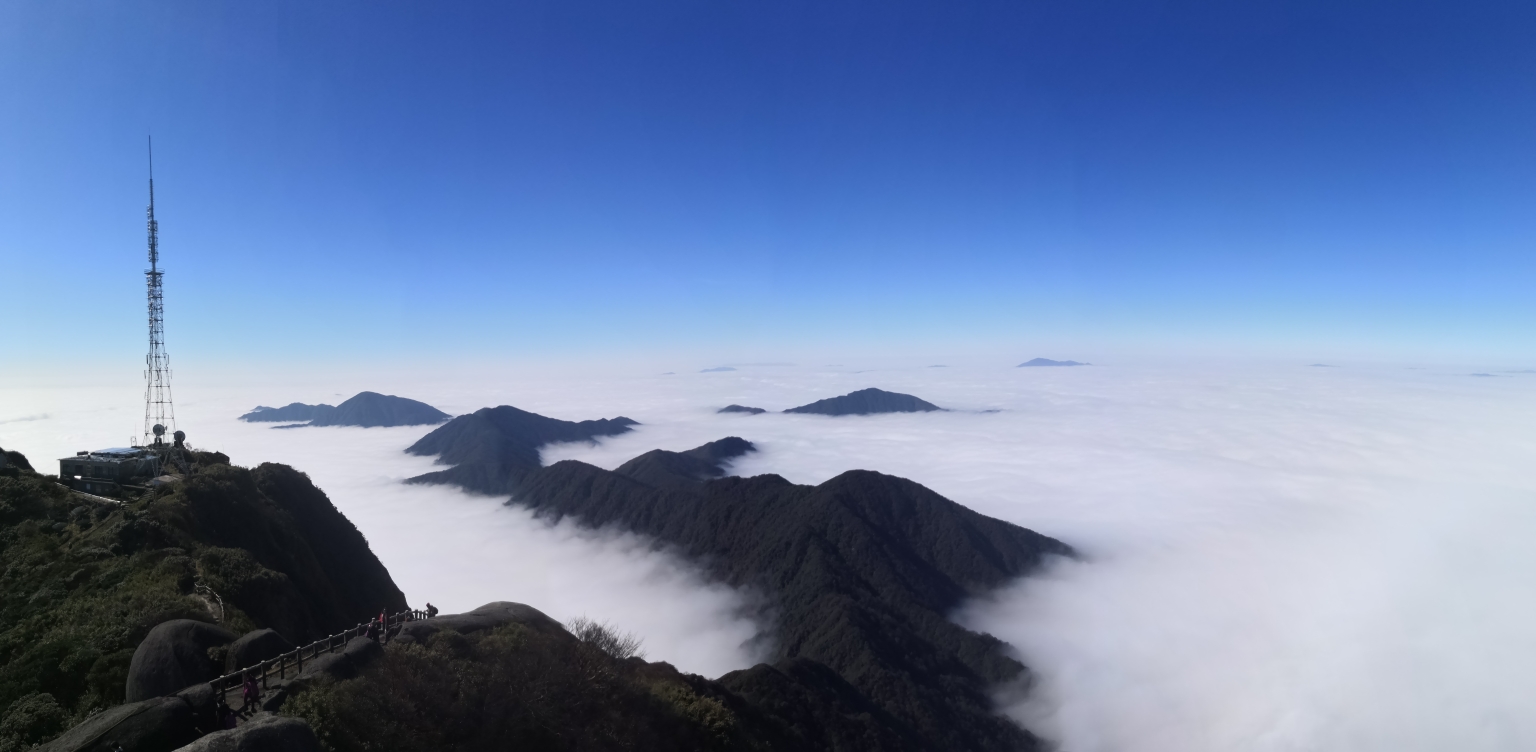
366	409
741	409
494	448
1037	362
867	402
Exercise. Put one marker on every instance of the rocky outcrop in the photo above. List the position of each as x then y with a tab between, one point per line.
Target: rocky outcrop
263	733
254	647
152	725
173	656
867	402
489	616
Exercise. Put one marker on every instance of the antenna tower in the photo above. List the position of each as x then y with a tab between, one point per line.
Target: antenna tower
159	414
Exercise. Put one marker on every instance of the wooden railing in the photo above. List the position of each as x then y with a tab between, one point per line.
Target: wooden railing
294	659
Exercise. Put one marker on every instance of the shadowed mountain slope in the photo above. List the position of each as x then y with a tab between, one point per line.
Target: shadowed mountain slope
494	448
659	467
867	402
859	572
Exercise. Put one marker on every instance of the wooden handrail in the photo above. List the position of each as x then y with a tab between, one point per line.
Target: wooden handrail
263	670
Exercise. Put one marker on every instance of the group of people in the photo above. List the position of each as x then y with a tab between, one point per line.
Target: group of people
378	629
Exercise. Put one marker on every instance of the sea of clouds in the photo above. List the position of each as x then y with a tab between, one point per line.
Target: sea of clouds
1275	556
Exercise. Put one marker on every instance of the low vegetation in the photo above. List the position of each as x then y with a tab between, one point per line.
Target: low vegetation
517	687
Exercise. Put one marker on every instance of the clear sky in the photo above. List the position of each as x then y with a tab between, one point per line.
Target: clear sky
377	180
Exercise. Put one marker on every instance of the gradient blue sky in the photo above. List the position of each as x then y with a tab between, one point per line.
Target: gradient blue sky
375	179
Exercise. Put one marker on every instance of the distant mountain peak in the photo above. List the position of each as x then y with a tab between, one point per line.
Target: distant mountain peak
741	409
494	448
659	467
1039	362
867	402
365	409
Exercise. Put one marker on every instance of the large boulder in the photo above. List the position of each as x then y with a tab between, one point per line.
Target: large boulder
174	656
263	733
489	616
254	647
153	725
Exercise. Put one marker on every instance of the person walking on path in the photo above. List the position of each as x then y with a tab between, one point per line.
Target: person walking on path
251	692
373	630
431	610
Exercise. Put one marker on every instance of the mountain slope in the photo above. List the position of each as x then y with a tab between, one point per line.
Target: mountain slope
83	581
867	402
494	448
860	572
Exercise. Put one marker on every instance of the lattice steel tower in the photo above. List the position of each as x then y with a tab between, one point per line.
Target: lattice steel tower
159	414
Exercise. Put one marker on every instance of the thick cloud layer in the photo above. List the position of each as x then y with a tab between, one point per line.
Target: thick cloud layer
1277	557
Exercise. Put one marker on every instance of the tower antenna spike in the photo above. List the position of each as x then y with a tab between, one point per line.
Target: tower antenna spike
159	413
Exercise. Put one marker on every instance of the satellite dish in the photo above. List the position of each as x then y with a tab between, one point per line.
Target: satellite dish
158	430
179	436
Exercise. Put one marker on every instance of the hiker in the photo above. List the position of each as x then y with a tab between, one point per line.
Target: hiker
373	631
431	610
251	691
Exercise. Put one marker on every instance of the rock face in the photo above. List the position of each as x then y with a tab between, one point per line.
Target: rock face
152	725
366	409
494	448
860	574
263	733
173	657
659	467
253	648
741	409
867	402
1037	362
277	548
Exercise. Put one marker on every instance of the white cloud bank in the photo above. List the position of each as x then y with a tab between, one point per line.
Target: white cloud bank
1276	557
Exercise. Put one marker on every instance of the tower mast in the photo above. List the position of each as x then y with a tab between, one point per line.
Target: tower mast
159	414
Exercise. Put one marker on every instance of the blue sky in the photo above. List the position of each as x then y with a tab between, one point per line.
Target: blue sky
378	180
